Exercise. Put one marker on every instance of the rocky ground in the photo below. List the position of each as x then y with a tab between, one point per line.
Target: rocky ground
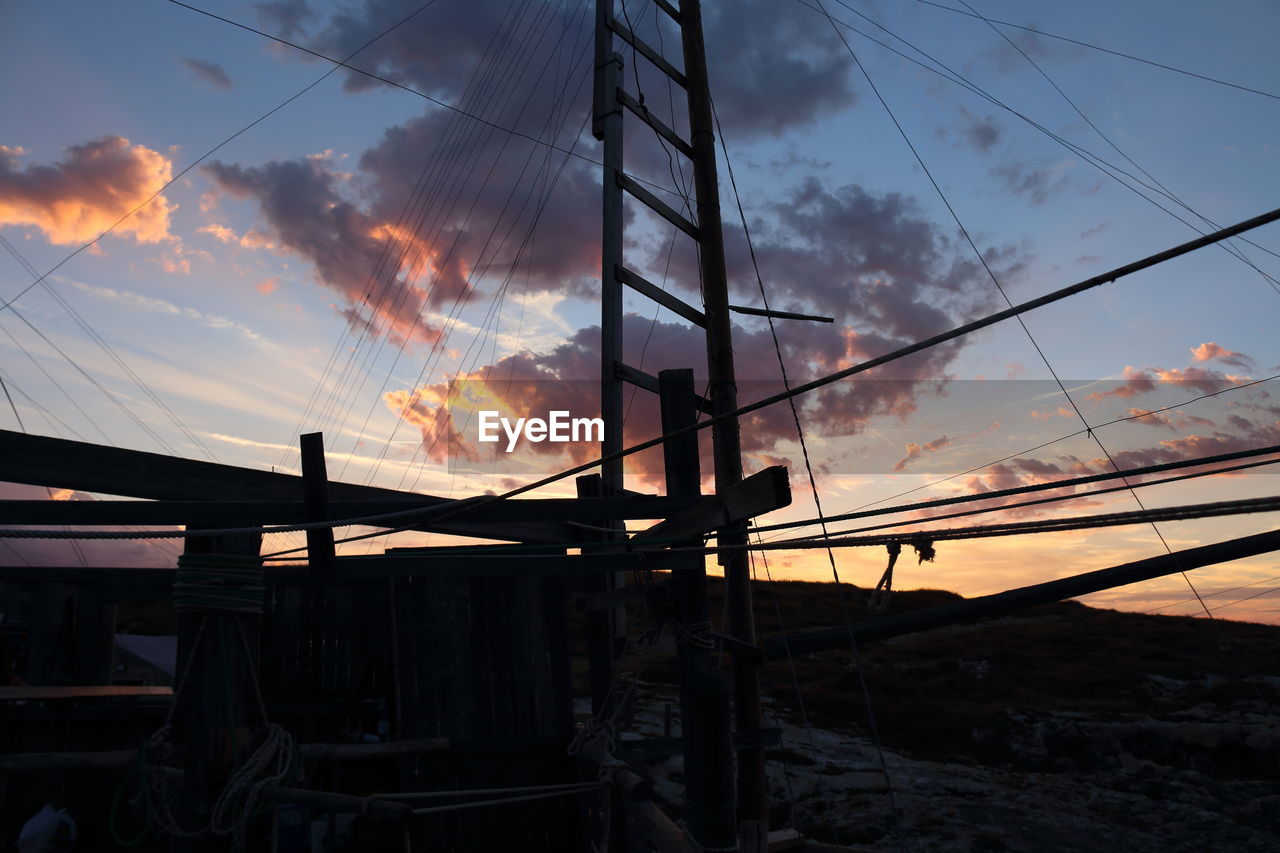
1066	729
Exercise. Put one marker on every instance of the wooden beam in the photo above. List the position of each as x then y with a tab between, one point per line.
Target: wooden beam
1003	603
60	463
762	492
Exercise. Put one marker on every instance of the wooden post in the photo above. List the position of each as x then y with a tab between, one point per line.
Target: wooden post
213	691
753	792
704	692
317	614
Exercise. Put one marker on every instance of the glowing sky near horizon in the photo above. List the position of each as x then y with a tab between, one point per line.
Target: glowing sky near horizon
334	266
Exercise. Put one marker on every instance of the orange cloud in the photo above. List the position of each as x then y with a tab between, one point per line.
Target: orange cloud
78	198
1209	351
268	285
221	232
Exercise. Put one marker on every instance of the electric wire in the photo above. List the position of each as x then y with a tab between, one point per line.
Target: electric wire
901	352
1104	50
458	182
343	63
1212	594
1110	170
204	157
1025	329
481	267
1070	482
1071	400
1053	499
415	199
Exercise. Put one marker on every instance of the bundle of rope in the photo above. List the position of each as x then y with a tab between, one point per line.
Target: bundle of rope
217	584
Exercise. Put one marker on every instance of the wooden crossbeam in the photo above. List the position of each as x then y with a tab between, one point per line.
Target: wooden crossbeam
245	513
63	464
762	492
649	382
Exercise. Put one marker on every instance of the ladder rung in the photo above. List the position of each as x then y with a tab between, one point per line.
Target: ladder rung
642	112
649	382
647	52
642	285
671	11
657	205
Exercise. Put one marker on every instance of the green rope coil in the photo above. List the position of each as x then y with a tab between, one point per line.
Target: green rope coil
219	583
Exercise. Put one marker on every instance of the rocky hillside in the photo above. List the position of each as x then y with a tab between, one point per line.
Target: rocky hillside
1064	728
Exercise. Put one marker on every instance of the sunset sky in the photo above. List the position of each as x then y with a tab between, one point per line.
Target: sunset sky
334	250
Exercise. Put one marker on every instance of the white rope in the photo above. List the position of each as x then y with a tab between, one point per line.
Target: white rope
276	759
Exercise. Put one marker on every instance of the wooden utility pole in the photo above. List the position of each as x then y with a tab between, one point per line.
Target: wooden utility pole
753	792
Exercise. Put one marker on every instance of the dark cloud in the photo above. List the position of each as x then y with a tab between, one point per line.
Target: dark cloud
349	248
210	72
772	69
886	273
1036	184
566	378
285	18
982	132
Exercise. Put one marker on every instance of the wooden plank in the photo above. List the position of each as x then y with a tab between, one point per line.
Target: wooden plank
762	492
1002	603
60	463
88	691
